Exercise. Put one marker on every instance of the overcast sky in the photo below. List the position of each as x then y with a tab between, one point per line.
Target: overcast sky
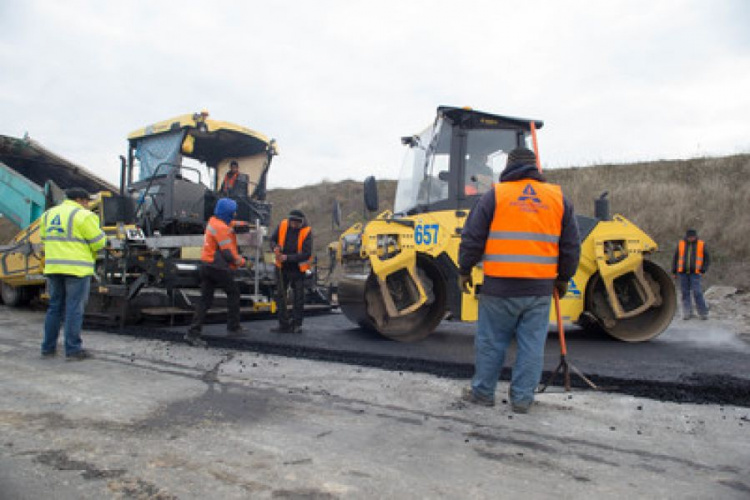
337	83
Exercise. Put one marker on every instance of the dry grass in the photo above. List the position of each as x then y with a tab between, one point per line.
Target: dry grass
667	197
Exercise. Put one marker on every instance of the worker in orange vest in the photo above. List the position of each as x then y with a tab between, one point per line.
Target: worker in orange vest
524	233
292	243
230	184
690	262
220	258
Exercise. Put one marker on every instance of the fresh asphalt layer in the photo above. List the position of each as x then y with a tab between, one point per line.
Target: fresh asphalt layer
692	361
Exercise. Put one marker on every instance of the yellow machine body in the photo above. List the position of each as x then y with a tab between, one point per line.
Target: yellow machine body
400	270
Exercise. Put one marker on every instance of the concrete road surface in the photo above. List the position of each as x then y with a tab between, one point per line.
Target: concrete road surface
161	420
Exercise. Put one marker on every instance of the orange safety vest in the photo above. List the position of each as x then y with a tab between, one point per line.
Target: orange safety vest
229	180
525	231
303	233
681	259
220	236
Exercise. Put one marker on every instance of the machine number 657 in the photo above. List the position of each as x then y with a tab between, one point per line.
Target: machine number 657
426	234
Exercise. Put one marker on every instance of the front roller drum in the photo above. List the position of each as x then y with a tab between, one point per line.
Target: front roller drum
646	325
361	301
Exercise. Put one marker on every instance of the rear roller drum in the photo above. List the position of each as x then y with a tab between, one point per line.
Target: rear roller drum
640	328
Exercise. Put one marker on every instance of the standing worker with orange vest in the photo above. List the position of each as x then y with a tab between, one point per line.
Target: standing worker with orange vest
525	234
219	260
292	242
690	263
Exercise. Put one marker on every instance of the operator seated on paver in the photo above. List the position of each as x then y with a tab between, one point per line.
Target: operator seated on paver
220	258
234	183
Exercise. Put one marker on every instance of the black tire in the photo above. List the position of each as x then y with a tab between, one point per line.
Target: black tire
15	296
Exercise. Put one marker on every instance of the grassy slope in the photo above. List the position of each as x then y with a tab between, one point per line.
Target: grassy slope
664	198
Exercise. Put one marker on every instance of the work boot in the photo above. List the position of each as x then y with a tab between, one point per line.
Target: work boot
704	317
470	396
296	329
49	354
521	407
195	340
79	356
236	332
687	316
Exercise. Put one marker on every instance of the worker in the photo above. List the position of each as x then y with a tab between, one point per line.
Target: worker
232	180
220	258
478	177
292	243
524	232
71	236
690	262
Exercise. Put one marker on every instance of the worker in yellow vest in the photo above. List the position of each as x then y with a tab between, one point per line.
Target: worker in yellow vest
690	262
71	236
292	243
524	233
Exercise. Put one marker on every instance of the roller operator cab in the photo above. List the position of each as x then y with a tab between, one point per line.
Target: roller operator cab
399	270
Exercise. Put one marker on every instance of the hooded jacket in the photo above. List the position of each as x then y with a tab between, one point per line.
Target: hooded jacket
476	231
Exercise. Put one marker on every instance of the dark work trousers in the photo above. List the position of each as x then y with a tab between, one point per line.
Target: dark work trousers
294	279
211	279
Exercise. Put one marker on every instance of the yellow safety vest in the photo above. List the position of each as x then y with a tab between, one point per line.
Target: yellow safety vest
71	236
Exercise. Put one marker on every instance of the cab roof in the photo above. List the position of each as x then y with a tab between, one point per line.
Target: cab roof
479	119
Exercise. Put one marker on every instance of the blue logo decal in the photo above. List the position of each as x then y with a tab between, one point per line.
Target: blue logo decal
573	288
56	224
529	194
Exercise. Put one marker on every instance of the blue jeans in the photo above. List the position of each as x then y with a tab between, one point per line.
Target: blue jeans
501	319
691	285
67	299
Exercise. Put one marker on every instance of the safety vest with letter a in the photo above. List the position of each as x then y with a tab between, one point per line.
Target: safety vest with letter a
524	235
304	232
71	236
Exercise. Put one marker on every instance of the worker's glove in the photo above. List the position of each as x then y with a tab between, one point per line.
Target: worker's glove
465	282
562	288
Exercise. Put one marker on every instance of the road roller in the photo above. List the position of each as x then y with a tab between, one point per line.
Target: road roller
399	272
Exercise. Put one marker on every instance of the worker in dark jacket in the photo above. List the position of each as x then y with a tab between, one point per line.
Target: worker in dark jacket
525	234
220	258
691	261
292	242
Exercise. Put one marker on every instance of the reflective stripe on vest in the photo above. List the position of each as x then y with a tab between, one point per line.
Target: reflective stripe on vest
65	251
524	236
303	233
683	262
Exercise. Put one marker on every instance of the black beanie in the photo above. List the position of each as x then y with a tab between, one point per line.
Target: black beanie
297	215
691	232
522	156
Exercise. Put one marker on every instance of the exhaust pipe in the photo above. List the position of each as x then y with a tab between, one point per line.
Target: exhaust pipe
601	207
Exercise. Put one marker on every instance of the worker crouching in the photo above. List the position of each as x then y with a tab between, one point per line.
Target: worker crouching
292	242
220	259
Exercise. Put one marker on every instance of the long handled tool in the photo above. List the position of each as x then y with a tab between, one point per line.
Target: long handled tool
564	365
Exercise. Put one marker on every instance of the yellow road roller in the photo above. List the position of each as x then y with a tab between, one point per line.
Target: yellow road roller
399	270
